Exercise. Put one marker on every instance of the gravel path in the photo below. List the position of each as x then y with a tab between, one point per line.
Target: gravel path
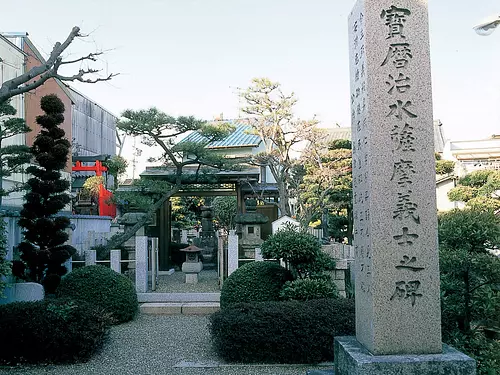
156	345
175	283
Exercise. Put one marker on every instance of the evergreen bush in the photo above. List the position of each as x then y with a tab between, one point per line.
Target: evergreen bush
301	251
470	280
256	281
281	332
51	331
307	289
44	249
103	287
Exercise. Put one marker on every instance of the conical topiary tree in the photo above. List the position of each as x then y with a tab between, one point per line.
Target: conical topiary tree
43	250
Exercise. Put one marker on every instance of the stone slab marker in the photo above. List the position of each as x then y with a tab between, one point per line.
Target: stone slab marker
115	257
232	252
394	192
141	264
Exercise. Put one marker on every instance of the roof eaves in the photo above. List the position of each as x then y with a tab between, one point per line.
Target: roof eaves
12	45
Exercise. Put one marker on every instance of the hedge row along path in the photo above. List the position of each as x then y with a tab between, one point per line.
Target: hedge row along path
157	345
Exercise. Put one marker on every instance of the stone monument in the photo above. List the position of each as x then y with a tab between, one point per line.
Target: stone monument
250	222
193	265
398	320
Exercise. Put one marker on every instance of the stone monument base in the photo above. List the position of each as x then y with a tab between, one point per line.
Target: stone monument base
352	358
191	278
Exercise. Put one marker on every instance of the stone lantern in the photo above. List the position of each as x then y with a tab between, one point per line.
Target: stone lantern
250	223
193	265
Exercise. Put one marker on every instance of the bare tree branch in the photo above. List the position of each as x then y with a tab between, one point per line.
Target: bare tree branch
39	74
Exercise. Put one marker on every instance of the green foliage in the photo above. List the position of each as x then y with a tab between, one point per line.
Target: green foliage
142	193
43	250
338	144
292	246
462	193
117	166
478	190
327	184
51	331
307	289
445	166
91	185
281	332
485	351
225	209
12	157
471	230
5	265
470	276
338	226
103	287
300	251
477	178
186	211
256	281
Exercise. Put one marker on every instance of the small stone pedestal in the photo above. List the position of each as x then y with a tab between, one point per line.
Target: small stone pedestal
352	358
192	266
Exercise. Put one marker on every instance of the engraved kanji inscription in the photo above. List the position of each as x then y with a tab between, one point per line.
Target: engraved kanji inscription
407	290
405	208
409	263
395	18
402	172
400	109
403	137
405	239
401	83
399	54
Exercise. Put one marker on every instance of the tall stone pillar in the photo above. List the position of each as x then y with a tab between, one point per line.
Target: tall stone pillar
394	195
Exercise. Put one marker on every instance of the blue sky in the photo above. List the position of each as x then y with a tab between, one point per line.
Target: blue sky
189	56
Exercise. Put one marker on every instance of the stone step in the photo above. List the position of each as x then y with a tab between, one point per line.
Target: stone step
176	308
178	297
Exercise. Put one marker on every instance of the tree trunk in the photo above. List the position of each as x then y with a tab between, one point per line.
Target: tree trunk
120	239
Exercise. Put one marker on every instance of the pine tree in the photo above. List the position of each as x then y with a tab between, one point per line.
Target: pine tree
43	250
12	157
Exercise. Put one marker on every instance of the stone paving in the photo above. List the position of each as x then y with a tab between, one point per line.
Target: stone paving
157	345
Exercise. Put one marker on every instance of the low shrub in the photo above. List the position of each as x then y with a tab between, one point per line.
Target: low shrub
104	287
306	289
51	331
281	332
252	282
485	351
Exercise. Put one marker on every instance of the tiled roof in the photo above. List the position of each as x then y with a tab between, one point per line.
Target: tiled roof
241	137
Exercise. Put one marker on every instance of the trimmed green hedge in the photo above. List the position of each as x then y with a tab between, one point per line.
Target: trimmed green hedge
281	332
307	289
104	287
256	281
51	331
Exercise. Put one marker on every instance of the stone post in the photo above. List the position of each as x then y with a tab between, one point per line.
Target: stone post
141	264
232	252
115	257
184	236
258	255
394	196
69	265
90	257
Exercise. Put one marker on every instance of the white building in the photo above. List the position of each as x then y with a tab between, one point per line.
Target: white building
12	65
